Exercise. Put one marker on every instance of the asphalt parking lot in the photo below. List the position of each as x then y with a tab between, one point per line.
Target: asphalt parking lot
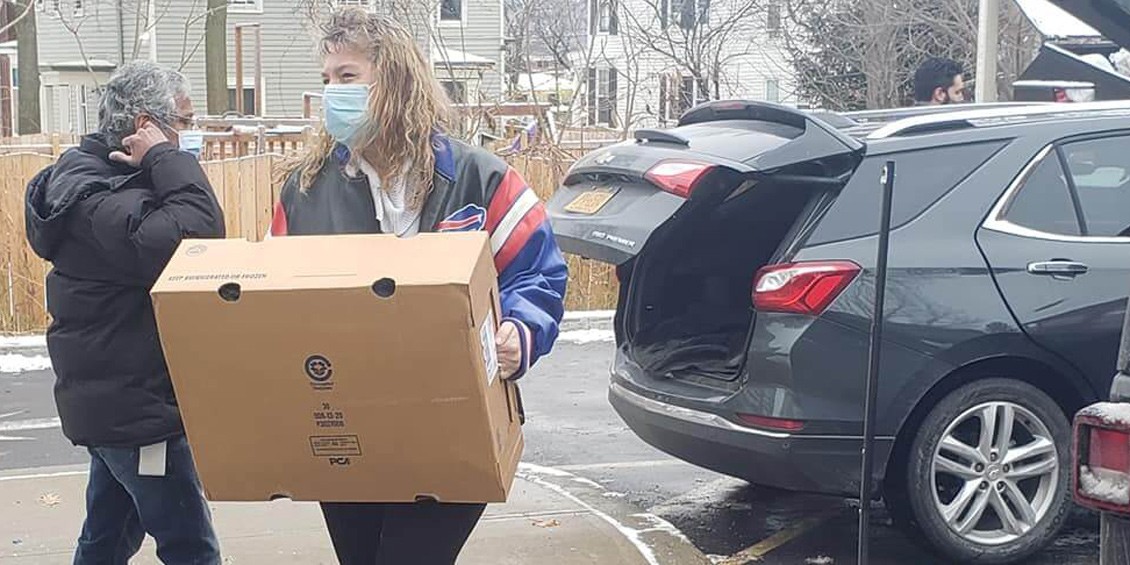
571	427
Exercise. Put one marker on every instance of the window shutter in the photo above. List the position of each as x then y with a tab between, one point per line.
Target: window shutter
664	13
592	95
594	16
614	17
612	91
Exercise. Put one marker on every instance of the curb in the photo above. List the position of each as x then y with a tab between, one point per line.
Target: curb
658	541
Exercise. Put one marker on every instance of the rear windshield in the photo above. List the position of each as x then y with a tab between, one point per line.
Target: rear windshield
928	175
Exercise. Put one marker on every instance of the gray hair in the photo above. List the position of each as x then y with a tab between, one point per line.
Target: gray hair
139	88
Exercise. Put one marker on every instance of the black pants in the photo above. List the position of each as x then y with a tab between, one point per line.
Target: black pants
426	533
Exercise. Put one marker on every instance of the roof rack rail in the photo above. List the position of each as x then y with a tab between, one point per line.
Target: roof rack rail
967	118
888	115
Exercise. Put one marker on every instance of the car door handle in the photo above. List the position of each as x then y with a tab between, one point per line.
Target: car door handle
1057	268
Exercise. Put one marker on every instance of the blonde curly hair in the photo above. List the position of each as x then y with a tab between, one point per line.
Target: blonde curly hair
406	107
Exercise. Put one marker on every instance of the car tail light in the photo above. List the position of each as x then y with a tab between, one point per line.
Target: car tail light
678	177
776	424
802	288
1074	94
1102	457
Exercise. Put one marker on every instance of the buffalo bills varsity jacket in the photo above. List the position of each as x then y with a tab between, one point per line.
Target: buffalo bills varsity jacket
472	190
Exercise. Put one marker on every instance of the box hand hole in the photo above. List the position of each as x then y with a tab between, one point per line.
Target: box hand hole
384	288
230	292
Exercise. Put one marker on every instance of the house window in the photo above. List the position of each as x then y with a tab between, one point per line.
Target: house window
456	91
451	10
604	17
684	13
772	91
686	94
245	6
602	97
248	100
773	19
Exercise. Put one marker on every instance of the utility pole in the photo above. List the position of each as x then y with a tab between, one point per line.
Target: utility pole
27	52
988	24
216	57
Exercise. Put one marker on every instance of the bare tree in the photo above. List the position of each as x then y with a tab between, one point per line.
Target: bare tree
862	54
698	37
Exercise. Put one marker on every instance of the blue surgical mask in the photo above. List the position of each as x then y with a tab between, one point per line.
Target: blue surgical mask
344	107
191	141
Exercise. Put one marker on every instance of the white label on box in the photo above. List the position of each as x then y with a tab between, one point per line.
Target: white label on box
490	349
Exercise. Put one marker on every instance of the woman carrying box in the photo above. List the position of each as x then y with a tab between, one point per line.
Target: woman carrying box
385	166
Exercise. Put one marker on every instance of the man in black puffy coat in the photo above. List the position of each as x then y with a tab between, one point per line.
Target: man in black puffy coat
108	216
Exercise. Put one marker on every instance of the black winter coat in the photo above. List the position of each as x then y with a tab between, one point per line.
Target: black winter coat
109	229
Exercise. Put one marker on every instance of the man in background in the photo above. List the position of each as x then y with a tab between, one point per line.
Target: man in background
108	216
939	81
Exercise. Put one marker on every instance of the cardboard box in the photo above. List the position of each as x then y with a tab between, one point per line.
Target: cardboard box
344	368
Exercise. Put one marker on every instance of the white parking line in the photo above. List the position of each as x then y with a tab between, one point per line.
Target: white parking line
30	424
621	465
531	472
42	476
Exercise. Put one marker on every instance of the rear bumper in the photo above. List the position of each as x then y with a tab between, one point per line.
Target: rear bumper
817	464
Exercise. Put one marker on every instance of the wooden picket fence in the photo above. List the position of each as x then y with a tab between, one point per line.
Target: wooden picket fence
247	188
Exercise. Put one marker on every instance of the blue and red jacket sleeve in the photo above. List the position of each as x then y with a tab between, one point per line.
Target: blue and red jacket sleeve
532	272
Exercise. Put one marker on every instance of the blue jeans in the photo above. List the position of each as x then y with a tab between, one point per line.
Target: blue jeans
122	506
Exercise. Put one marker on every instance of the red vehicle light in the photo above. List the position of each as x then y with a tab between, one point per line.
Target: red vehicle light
776	424
1102	457
802	288
678	177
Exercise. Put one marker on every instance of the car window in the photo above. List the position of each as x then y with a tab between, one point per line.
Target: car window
924	177
1044	201
1100	170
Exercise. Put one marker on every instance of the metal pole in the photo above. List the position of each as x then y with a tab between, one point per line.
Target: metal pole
988	24
865	490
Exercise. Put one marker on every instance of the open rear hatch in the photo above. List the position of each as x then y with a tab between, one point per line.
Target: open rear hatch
1080	39
690	214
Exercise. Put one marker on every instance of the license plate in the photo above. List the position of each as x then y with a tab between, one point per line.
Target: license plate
590	202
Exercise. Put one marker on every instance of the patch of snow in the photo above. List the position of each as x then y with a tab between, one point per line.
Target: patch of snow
14	363
820	560
1110	413
611	494
590	315
1054	22
1105	485
1121	61
587	336
23	341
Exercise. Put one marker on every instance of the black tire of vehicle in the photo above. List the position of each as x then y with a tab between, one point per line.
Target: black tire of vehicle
920	500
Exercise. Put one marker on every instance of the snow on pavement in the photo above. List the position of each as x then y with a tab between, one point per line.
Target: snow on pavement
16	363
586	336
22	341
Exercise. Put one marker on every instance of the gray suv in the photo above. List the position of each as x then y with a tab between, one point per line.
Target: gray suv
745	243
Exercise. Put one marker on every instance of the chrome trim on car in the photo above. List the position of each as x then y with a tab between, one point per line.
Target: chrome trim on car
712	420
997	222
688	415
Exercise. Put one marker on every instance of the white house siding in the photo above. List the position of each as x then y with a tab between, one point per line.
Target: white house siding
756	67
290	63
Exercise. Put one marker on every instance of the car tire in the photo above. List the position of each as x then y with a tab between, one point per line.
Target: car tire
947	484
